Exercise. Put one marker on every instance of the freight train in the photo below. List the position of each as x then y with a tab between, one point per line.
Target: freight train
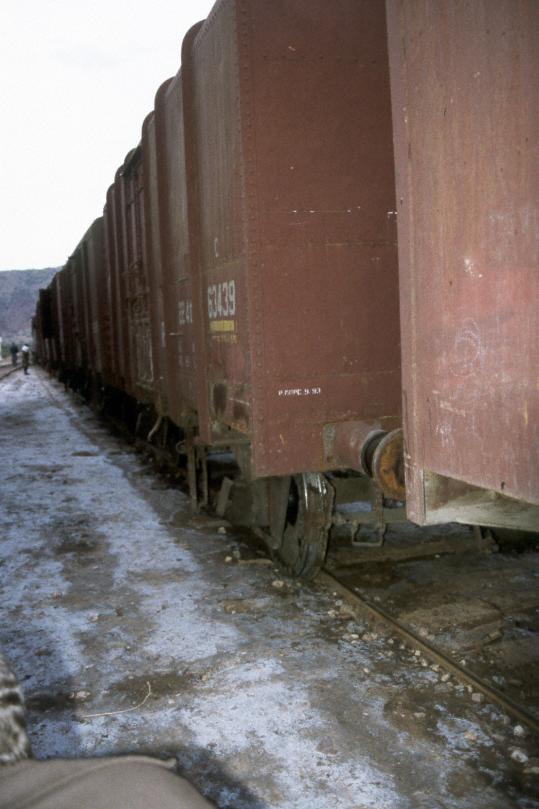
327	233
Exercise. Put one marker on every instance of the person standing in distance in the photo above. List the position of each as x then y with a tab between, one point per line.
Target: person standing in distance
25	355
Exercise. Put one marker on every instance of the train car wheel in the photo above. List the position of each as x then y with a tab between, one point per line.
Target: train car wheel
303	547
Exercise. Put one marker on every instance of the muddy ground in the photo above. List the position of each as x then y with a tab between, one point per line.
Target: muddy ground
135	628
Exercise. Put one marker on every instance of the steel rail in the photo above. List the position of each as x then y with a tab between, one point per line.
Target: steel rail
469	678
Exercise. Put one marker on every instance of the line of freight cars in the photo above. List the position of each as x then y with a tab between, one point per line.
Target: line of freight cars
240	296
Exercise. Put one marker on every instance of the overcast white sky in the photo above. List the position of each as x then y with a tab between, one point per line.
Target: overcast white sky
76	81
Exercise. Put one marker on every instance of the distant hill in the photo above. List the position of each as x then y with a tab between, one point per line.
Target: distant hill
18	295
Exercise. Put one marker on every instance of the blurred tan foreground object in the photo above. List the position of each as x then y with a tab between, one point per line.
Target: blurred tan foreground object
127	782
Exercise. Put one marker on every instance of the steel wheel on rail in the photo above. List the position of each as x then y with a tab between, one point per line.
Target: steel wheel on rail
304	542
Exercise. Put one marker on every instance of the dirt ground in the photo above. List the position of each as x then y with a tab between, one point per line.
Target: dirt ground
134	628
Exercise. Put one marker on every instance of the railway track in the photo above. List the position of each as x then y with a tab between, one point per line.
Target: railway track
374	612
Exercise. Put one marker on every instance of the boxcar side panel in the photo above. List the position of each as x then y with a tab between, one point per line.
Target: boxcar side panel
136	279
97	296
323	284
112	291
212	117
52	341
61	308
297	233
122	286
177	278
466	116
153	262
84	271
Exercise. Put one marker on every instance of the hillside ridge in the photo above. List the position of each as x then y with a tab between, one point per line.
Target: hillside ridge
18	296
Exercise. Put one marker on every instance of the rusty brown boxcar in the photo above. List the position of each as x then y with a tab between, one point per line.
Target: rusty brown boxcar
152	258
292	232
69	329
135	275
50	342
117	355
44	327
39	341
465	79
288	260
59	286
167	227
117	274
92	307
